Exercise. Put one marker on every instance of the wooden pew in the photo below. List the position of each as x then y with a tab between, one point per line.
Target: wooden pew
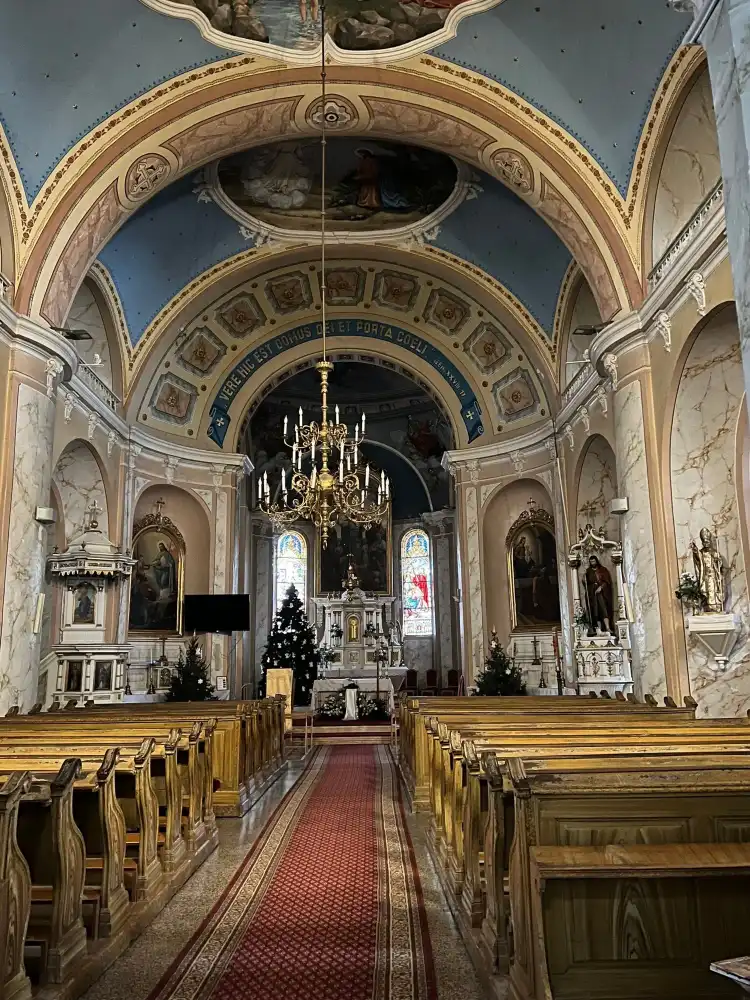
247	749
590	838
15	891
413	746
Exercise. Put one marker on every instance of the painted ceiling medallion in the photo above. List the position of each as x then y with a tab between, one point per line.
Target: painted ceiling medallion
357	31
374	189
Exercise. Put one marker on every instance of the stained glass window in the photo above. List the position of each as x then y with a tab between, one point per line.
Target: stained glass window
416	583
291	567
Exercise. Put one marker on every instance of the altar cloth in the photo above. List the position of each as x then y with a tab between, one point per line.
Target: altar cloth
325	686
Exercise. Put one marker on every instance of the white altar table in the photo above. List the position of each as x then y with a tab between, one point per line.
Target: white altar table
325	686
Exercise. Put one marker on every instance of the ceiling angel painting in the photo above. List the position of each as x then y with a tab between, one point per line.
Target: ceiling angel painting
369	185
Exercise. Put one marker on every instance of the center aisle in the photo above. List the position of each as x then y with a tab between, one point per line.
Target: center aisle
326	906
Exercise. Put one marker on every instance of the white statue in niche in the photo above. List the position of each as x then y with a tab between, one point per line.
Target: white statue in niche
710	572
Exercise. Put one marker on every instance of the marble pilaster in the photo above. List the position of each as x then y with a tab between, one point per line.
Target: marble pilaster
639	554
24	575
473	578
704	495
441	528
263	590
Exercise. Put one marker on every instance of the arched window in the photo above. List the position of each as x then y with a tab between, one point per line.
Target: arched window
416	583
291	567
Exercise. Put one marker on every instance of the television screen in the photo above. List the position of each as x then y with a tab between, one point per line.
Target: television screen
216	613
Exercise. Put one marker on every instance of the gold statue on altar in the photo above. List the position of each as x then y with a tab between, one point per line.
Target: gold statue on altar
352	628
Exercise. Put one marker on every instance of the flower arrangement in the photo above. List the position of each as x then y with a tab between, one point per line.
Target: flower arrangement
368	707
689	592
336	632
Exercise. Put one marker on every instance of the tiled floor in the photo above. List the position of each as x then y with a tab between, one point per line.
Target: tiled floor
134	975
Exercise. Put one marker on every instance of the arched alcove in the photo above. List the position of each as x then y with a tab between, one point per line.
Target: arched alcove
86	314
189	515
501	512
79	482
597	485
690	168
704	479
583	315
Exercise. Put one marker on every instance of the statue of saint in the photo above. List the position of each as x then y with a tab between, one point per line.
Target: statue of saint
710	572
599	595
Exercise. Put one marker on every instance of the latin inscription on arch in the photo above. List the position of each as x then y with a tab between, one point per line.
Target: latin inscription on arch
372	329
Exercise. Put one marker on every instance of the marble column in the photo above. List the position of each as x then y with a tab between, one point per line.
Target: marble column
27	544
261	535
639	552
726	38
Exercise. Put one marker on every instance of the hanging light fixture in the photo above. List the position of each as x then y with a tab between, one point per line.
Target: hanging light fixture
339	485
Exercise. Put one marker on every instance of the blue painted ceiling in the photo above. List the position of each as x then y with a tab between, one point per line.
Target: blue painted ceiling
166	244
175	237
592	65
66	65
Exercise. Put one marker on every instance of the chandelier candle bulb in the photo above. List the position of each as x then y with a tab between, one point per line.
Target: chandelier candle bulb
341	470
286	423
312	450
337	413
367	476
363	498
300	416
356	433
283	481
382	481
363	425
356	455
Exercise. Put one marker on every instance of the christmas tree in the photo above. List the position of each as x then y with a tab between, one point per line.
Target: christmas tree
501	676
291	644
192	681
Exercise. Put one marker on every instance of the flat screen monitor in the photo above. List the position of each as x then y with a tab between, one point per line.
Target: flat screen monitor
225	613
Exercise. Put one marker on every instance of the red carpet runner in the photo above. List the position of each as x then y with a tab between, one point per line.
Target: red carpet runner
327	905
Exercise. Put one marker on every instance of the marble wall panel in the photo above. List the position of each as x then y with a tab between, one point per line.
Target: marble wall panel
691	166
418	654
220	543
24	577
704	495
79	481
639	558
597	485
85	315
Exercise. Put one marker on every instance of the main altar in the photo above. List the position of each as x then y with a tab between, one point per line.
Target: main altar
360	642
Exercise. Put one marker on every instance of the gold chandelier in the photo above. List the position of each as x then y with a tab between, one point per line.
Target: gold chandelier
339	485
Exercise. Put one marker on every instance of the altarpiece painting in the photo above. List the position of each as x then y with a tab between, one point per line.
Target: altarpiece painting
156	587
532	570
368	547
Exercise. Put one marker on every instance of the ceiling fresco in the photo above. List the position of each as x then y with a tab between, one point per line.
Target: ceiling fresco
187	229
370	185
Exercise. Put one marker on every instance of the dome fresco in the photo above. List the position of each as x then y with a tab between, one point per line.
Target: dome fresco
370	185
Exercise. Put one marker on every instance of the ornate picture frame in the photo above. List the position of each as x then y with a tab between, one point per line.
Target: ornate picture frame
157	581
371	550
533	571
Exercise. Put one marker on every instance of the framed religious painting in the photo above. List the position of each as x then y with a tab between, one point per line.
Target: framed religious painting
156	583
369	549
532	571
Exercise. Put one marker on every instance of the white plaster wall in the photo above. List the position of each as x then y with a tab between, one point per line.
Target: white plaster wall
597	485
639	556
79	482
85	314
704	495
691	166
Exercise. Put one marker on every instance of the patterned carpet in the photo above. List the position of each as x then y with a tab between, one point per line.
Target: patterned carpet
326	906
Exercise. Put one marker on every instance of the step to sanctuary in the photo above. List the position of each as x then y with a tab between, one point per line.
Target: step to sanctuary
335	732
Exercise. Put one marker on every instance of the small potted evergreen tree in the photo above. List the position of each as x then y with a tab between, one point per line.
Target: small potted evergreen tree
501	676
192	681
